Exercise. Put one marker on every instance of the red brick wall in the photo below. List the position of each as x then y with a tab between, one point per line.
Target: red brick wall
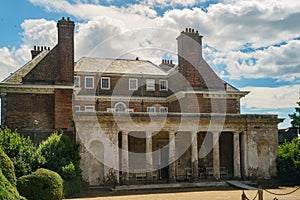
23	109
63	109
66	51
196	103
46	71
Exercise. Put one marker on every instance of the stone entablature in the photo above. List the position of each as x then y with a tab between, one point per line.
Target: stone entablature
248	160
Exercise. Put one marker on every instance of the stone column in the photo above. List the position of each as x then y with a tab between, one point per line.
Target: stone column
216	155
172	154
149	160
125	158
194	156
236	155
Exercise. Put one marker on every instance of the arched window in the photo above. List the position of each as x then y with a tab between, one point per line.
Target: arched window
120	107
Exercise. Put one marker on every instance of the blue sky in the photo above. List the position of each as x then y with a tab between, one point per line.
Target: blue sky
252	44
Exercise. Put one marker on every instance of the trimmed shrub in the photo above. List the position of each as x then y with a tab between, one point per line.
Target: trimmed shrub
43	184
288	162
62	156
7	190
22	152
7	167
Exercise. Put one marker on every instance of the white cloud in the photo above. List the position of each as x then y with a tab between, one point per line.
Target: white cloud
39	32
172	3
112	32
271	98
282	63
11	60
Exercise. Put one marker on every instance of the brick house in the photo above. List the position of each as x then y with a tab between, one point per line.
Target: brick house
141	122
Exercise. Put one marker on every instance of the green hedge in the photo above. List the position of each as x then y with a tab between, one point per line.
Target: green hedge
62	156
7	190
288	162
41	185
22	152
7	167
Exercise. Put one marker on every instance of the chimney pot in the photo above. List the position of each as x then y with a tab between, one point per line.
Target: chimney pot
197	31
193	30
45	48
38	48
34	47
186	30
190	30
171	62
63	18
68	18
48	48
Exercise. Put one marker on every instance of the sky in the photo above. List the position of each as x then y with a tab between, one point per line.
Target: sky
252	44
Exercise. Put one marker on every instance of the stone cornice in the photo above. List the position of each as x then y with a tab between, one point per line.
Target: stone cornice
171	98
31	88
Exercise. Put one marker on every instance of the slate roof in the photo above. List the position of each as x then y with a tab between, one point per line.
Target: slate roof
118	66
17	76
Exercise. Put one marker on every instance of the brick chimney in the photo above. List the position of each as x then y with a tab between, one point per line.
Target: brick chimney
192	65
37	50
66	51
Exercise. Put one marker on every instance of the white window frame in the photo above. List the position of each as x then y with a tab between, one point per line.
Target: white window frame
89	87
163	109
151	108
120	103
136	84
89	108
160	84
150	84
78	85
77	108
105	78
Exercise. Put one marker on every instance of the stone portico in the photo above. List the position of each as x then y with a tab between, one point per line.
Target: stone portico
133	153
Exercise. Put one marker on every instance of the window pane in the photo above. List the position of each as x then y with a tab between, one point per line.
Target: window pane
150	85
89	108
120	107
150	109
76	81
132	84
89	82
163	109
163	85
105	83
76	108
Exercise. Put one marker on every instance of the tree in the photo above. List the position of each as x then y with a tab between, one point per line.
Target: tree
62	156
22	152
288	161
296	116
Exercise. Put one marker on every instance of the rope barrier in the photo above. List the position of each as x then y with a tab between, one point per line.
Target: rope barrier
273	193
248	198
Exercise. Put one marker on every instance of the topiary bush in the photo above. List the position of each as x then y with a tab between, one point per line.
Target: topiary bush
7	190
7	167
43	184
62	156
22	152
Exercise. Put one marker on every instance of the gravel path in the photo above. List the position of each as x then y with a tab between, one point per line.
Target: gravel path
192	195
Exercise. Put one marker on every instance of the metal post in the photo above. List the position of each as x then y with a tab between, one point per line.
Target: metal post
243	196
260	195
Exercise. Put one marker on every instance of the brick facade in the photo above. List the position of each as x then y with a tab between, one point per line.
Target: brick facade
40	98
